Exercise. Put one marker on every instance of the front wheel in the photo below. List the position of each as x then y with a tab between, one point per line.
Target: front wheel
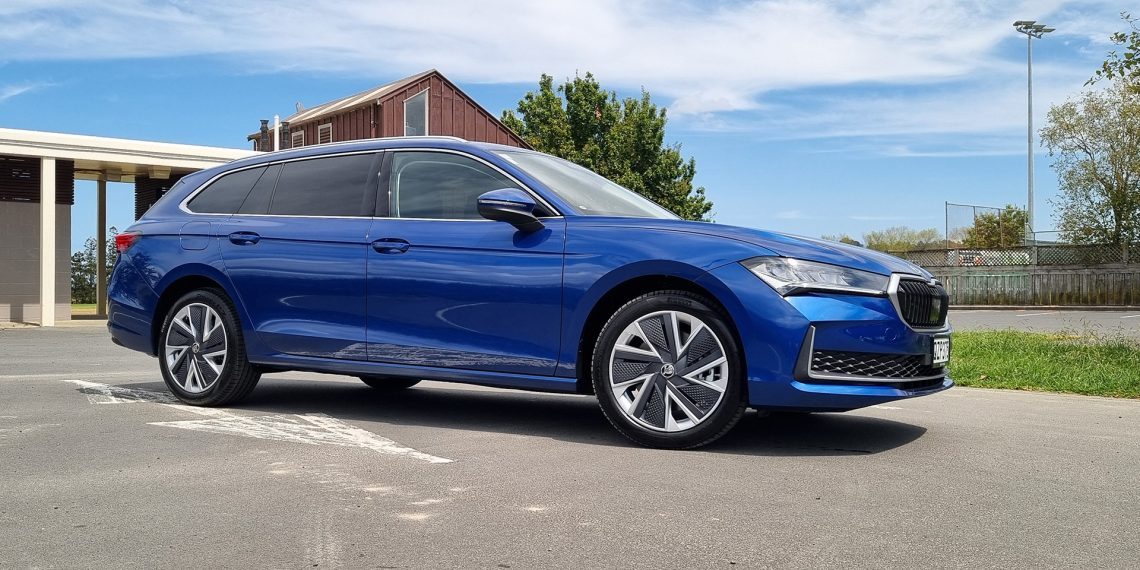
667	371
201	353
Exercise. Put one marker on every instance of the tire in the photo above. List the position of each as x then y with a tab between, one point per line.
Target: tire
688	403
389	383
202	351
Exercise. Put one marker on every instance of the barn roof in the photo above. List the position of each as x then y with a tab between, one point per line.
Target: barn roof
353	101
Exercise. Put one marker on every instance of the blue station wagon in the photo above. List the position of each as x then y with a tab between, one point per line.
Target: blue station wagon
397	260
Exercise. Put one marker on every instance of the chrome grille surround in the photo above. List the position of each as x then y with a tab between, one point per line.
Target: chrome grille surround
921	304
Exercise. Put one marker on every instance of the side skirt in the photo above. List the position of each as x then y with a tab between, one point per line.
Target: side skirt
284	362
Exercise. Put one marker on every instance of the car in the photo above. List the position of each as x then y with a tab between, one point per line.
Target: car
399	260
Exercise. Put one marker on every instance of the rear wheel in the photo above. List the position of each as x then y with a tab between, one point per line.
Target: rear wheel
202	354
667	371
389	383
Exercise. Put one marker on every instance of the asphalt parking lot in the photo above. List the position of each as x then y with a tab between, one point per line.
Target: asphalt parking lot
1107	323
100	468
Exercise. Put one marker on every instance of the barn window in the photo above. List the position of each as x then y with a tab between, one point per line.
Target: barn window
415	115
324	133
296	138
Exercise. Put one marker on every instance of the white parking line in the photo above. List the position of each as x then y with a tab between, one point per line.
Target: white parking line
311	429
59	375
1039	314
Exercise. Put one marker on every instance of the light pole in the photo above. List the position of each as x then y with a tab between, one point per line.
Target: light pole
1031	29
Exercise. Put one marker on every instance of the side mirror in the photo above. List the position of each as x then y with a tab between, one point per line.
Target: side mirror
510	205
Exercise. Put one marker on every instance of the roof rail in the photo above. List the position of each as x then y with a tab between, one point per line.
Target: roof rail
445	137
358	141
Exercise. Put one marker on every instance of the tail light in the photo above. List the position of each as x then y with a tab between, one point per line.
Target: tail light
125	240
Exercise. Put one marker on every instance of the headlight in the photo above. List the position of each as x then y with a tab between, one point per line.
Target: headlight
789	276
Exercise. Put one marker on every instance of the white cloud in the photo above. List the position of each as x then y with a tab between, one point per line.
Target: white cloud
781	68
17	89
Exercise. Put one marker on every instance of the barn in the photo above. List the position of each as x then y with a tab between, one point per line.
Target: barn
425	104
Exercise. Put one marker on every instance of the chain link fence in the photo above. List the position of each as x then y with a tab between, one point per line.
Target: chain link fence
1045	254
1001	227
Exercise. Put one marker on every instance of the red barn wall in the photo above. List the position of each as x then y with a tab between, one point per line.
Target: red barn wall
450	113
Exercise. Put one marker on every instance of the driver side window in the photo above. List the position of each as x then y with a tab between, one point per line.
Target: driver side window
439	185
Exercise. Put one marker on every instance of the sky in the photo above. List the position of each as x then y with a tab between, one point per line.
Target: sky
811	117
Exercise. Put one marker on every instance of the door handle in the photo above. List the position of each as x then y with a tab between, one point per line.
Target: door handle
244	238
390	245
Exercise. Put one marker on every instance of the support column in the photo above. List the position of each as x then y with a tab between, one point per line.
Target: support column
47	242
101	251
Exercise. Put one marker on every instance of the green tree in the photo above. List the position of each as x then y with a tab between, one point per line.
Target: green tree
83	268
901	239
1095	144
1122	66
842	238
1003	228
623	140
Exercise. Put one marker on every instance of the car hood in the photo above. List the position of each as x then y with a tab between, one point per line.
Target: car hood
787	245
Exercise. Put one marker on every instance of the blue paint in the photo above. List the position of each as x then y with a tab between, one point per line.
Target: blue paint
483	302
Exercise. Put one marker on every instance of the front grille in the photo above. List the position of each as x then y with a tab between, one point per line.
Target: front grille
922	304
873	365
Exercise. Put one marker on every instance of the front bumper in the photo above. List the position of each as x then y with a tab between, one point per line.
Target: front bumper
781	335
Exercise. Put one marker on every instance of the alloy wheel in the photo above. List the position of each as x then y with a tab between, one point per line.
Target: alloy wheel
195	348
668	371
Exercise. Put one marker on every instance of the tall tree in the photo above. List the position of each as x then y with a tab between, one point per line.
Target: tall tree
1095	144
1123	66
1003	228
83	268
901	239
623	140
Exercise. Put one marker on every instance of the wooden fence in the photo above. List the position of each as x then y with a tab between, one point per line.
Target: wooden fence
1107	285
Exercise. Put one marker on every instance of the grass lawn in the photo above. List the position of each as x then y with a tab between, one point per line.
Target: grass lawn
83	308
1079	364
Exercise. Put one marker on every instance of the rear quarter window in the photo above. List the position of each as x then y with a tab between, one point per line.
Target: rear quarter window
226	194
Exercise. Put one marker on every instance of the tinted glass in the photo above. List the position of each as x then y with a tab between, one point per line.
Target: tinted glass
225	195
438	185
258	200
589	193
333	186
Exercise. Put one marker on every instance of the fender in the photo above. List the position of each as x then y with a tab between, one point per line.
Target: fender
214	270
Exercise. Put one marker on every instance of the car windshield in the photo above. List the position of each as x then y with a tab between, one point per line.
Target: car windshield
587	192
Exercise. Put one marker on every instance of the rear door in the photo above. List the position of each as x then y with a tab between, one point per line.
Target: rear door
296	252
448	288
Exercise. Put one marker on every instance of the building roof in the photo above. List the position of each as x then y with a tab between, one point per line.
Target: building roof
353	101
100	154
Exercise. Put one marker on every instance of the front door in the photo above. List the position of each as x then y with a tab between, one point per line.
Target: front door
448	288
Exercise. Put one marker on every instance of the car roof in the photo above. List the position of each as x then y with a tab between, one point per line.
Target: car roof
452	143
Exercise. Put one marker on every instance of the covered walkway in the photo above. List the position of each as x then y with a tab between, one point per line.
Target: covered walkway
39	168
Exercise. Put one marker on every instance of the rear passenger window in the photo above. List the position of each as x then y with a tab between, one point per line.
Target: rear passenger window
258	200
225	195
333	186
438	185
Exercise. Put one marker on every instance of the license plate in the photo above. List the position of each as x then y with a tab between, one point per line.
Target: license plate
941	351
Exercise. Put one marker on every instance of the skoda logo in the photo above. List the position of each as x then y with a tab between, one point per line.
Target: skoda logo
667	370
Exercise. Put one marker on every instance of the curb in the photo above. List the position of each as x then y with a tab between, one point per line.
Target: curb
1074	308
74	323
